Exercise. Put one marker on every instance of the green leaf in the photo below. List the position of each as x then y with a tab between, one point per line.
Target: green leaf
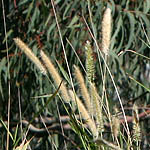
146	23
7	129
29	10
146	6
7	35
2	67
15	137
65	75
132	29
147	89
45	105
73	21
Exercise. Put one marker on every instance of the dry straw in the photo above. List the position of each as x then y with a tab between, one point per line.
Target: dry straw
83	88
106	31
56	77
84	114
30	54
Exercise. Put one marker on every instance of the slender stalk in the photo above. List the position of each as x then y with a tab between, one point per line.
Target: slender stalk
5	30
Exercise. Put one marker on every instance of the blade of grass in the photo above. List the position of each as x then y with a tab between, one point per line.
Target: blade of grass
147	89
5	126
5	31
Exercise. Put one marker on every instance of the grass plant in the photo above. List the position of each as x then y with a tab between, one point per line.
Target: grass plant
92	91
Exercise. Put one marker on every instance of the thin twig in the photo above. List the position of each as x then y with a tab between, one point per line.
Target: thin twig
5	30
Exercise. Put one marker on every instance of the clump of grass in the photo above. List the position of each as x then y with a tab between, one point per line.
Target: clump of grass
91	97
127	19
92	102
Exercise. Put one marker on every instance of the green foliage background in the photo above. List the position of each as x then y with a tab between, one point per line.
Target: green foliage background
33	21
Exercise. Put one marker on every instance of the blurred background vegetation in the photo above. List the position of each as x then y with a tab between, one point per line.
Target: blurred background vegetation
34	22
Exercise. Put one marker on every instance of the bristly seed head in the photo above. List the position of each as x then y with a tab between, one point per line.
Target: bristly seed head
56	77
106	31
30	54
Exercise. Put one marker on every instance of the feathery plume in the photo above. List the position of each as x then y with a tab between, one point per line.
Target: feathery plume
56	77
97	107
106	31
30	54
84	113
83	88
89	62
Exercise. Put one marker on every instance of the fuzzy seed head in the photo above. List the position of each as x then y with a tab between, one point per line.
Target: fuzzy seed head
56	77
83	88
89	62
97	108
84	113
30	54
106	31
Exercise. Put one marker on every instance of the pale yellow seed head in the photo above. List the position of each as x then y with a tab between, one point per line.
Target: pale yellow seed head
106	31
30	54
84	113
56	77
97	107
83	88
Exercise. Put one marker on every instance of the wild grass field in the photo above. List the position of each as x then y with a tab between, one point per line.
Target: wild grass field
75	74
